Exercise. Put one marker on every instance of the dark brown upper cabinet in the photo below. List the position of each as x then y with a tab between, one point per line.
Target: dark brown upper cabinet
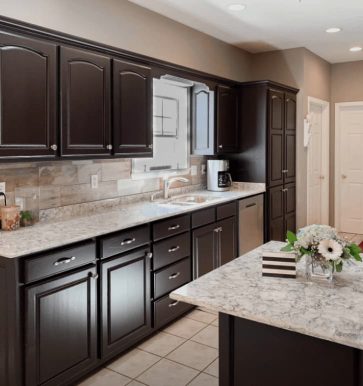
226	119
85	103
276	114
28	94
132	109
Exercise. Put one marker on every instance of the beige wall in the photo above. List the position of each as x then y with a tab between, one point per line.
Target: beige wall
346	86
125	25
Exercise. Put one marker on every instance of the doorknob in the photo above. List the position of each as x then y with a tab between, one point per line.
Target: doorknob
344	176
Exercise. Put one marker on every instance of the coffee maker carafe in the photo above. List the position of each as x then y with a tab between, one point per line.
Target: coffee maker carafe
218	178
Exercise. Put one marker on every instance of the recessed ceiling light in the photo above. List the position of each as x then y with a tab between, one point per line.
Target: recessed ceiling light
333	30
355	49
236	7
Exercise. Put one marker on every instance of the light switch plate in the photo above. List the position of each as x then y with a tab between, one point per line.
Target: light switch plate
94	181
2	187
193	170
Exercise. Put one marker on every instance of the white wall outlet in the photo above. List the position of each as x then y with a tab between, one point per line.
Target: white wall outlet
203	168
2	187
94	181
193	170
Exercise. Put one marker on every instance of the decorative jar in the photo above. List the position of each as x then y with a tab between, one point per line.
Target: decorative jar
317	268
10	218
28	200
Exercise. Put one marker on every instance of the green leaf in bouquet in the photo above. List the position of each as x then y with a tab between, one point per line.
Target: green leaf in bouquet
291	237
355	251
287	248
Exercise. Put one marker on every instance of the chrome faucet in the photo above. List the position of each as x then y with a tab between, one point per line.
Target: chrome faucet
168	182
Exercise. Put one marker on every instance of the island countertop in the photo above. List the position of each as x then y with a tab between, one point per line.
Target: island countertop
48	235
332	312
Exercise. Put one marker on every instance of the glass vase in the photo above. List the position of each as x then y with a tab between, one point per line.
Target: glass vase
317	268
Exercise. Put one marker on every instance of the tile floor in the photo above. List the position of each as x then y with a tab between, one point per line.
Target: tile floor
184	353
353	237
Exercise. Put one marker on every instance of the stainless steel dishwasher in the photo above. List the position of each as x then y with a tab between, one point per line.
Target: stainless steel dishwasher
250	223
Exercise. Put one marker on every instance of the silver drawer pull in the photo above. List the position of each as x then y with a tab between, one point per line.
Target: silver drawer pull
173	227
128	241
173	304
250	205
174	249
174	275
285	171
64	260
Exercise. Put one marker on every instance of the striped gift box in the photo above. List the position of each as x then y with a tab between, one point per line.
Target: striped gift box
279	264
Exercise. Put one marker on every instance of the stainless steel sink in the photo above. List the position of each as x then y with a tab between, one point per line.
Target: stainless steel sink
188	200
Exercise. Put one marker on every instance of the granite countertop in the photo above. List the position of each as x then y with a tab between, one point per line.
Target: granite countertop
44	236
327	311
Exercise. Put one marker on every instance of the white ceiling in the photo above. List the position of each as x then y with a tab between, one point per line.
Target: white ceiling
267	25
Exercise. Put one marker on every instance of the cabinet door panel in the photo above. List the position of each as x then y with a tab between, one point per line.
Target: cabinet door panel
227	120
227	240
125	301
276	137
276	214
204	250
290	208
132	109
61	338
28	94
290	138
86	94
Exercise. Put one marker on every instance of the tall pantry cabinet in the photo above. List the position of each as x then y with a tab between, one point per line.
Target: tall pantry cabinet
268	151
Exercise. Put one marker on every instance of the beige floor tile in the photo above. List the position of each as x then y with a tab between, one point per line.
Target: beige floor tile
357	239
185	328
208	336
204	380
207	310
201	316
194	355
106	377
162	344
213	368
167	373
133	363
347	236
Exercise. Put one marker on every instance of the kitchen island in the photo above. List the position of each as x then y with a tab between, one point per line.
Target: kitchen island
283	332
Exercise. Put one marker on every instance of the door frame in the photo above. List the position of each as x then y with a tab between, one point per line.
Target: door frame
337	163
325	158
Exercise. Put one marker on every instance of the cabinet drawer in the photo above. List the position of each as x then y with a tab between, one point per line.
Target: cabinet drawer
172	277
124	241
203	217
52	263
226	210
170	250
166	310
170	227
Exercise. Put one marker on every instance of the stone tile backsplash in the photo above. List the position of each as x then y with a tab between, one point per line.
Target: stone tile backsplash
68	183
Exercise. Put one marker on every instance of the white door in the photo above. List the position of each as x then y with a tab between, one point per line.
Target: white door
349	167
318	163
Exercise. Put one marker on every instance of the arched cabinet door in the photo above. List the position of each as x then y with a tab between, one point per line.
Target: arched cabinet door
28	97
132	109
85	103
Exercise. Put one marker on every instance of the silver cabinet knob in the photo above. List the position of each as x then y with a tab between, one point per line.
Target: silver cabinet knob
54	147
93	275
285	171
344	176
109	147
149	255
220	146
150	146
322	177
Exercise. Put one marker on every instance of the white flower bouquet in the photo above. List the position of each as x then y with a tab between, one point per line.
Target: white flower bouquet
323	245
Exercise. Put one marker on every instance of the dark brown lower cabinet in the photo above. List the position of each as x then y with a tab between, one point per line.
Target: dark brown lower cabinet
214	245
227	240
125	301
281	211
61	328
